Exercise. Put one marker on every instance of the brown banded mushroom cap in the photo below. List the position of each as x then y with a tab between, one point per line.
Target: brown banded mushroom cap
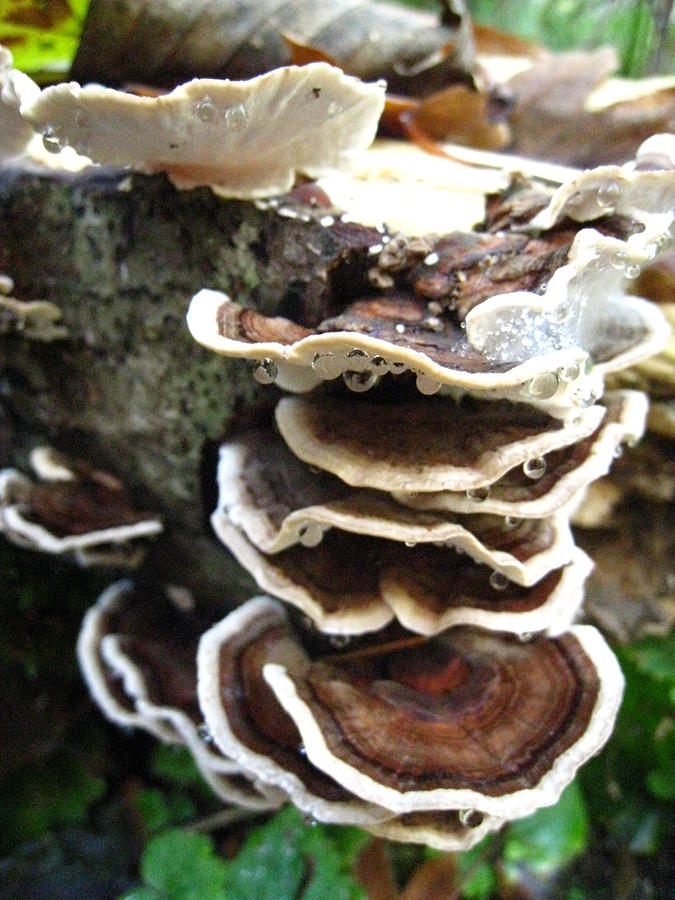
245	718
442	446
250	138
334	584
249	726
430	593
567	471
87	515
123	648
278	502
447	361
350	585
466	720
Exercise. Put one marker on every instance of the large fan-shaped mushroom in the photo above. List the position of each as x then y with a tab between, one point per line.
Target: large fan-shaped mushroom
466	720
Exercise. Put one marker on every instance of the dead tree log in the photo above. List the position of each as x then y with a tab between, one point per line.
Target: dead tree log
128	389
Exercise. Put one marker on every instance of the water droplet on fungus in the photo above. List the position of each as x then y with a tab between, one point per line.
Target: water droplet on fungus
534	468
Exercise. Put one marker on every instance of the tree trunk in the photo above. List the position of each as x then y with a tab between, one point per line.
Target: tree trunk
129	390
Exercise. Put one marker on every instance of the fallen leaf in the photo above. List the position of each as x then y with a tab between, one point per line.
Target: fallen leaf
554	119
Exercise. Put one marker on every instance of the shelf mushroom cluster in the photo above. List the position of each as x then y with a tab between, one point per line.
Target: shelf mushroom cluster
425	679
410	504
74	510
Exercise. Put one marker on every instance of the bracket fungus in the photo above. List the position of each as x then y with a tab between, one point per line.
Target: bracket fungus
428	727
232	660
15	132
350	584
585	302
278	503
244	138
468	721
545	333
430	682
73	509
36	320
444	446
565	474
391	334
137	655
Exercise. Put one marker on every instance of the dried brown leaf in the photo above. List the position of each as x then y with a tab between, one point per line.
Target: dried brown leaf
552	118
165	43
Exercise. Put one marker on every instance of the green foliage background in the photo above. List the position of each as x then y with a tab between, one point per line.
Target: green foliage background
642	31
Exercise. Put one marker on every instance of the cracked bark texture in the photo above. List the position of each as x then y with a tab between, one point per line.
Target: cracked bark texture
129	390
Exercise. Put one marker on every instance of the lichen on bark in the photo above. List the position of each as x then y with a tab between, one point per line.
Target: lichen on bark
128	389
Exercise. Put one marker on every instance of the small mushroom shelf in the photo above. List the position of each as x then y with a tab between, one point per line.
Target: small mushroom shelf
424	677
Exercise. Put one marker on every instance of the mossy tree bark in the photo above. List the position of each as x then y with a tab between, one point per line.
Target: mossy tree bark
129	390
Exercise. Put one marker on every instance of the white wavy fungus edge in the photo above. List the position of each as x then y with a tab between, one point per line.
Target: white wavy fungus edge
537	335
101	656
248	138
559	609
15	132
590	290
308	432
376	516
628	428
256	614
295	361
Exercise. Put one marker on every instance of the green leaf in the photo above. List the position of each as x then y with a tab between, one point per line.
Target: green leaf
476	874
482	884
626	787
330	876
269	866
348	841
280	857
43	35
628	25
551	837
576	893
160	810
285	859
175	765
654	657
662	784
182	865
